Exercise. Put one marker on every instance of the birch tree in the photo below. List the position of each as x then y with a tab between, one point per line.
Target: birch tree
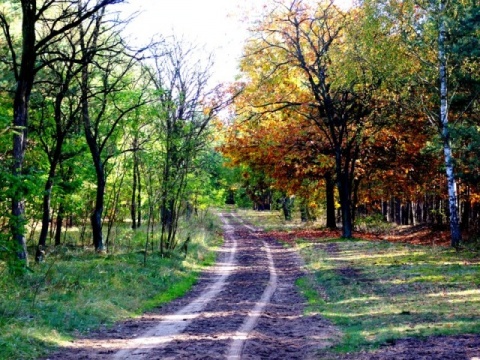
429	32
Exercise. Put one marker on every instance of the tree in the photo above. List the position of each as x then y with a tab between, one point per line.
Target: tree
184	109
110	90
57	79
286	148
448	27
306	45
443	127
42	26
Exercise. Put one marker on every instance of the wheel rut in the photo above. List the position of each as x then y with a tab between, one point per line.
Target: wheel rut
244	307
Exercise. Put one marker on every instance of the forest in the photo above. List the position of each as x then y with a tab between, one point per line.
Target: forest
95	131
116	154
368	112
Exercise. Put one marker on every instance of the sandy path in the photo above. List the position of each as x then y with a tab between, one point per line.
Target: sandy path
245	307
235	350
172	325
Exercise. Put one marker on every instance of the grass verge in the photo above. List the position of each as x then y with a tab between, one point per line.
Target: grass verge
377	292
75	291
274	220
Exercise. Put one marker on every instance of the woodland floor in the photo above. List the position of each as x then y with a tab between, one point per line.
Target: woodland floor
415	235
248	307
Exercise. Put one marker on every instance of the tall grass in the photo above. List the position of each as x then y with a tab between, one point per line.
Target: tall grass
76	290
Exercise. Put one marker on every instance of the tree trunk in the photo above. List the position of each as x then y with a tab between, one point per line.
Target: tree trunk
345	204
47	195
139	199
96	217
42	241
356	184
384	209
456	235
287	205
398	211
133	205
59	221
20	121
330	197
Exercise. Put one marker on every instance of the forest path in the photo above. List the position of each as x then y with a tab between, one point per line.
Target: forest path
245	307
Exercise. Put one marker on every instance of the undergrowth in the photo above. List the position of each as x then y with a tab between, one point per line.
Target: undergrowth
76	290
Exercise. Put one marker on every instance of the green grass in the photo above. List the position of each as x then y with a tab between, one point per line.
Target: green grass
379	291
75	291
274	220
376	292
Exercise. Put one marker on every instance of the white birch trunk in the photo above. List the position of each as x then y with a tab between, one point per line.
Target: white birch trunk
447	150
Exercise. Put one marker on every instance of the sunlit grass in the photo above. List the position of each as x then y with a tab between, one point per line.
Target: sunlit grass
75	290
274	220
404	291
378	291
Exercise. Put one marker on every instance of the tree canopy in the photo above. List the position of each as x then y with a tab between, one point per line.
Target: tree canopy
352	94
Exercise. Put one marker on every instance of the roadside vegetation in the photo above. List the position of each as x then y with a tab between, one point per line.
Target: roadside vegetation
75	290
377	292
107	169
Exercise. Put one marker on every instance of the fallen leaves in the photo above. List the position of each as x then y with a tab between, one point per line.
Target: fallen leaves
415	235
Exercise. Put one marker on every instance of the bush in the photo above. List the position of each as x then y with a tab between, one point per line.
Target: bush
374	223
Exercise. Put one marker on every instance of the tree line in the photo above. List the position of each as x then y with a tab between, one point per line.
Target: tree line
95	130
370	110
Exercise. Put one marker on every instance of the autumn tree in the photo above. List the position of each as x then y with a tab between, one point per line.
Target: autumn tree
307	47
436	34
288	150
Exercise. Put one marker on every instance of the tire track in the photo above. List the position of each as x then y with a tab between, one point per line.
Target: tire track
245	307
174	324
235	350
173	327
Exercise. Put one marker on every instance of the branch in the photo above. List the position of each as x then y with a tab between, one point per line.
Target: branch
6	31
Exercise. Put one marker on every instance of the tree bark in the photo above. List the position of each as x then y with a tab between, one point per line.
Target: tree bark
343	183
48	189
330	197
59	221
46	212
456	235
133	204
87	58
23	90
139	198
96	217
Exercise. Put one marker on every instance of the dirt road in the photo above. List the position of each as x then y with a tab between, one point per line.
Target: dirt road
245	307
